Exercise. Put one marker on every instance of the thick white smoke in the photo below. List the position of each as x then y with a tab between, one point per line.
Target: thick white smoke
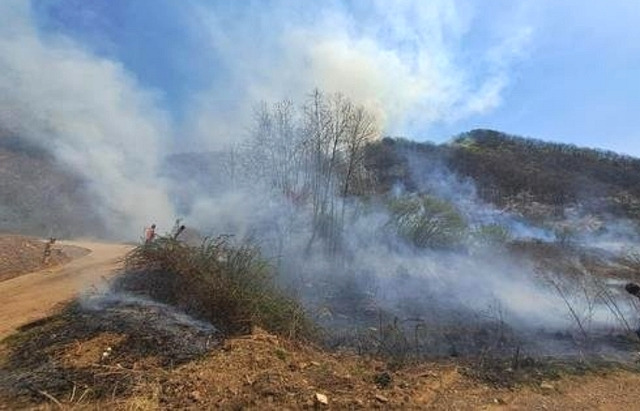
403	60
90	113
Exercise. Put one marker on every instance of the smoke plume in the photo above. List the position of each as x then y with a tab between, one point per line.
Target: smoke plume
90	113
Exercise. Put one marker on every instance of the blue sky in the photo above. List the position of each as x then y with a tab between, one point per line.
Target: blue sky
564	71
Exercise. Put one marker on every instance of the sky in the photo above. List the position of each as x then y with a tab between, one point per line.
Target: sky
564	71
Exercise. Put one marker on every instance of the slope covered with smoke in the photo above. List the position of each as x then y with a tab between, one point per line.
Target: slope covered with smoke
42	197
370	233
70	88
366	232
89	113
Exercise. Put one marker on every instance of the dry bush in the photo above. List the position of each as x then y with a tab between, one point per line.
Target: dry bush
631	259
231	286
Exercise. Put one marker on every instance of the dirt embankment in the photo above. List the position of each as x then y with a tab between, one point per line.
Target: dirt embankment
79	360
136	354
21	254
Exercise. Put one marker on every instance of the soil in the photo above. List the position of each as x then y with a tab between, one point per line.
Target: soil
112	353
21	254
63	361
32	296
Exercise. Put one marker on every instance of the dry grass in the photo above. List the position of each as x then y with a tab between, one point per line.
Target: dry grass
229	285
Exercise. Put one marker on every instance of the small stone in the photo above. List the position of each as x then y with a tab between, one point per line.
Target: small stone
195	395
546	387
381	398
315	363
321	399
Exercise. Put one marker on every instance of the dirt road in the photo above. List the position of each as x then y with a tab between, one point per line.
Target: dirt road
33	296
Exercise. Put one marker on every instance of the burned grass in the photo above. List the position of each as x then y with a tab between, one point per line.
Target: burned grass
120	358
61	361
520	370
98	354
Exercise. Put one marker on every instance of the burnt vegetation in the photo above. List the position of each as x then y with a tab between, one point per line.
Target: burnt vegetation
327	155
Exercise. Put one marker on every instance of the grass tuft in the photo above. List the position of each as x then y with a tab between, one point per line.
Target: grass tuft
229	285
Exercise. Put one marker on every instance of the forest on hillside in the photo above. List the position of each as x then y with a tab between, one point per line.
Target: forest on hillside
512	170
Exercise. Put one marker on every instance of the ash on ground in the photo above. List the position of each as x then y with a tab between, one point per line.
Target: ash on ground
178	336
107	342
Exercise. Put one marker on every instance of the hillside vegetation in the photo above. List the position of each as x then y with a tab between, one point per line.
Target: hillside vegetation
39	196
508	169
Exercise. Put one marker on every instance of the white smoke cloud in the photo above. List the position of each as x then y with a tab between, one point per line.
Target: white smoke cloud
90	113
406	61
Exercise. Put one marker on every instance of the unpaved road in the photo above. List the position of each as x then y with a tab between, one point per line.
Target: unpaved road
33	296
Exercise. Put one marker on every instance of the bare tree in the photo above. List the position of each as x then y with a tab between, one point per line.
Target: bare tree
313	156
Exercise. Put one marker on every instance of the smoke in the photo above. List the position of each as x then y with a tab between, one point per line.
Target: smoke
131	306
62	91
404	61
340	253
90	113
345	258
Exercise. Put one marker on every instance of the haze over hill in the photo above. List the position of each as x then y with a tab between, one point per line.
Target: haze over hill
509	169
43	197
39	196
509	172
260	126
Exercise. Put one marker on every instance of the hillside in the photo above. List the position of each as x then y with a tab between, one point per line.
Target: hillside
511	170
39	196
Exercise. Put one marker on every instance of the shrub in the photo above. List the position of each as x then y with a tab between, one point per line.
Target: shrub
631	259
491	234
427	222
231	286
